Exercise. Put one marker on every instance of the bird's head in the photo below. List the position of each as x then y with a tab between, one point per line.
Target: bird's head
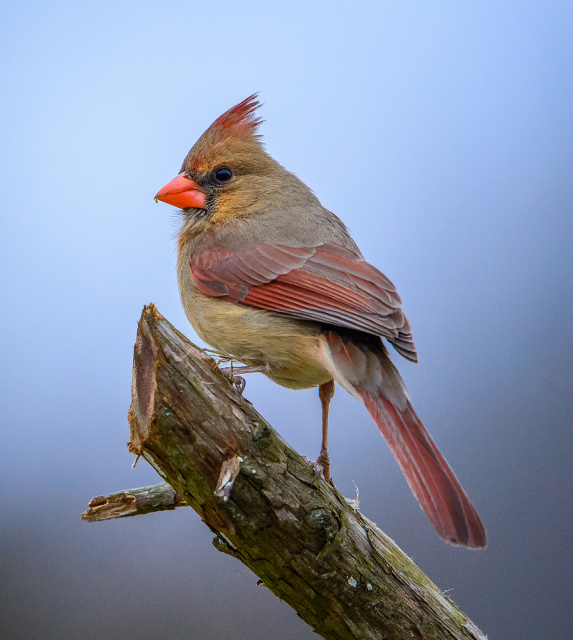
227	172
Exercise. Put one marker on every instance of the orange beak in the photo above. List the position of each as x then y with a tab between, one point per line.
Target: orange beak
182	192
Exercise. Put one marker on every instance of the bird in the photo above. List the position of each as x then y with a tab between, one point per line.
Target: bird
272	279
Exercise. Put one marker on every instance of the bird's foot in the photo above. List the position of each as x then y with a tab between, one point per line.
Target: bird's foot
239	384
321	467
217	358
238	381
213	353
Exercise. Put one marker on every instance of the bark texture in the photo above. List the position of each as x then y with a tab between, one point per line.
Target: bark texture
133	502
312	549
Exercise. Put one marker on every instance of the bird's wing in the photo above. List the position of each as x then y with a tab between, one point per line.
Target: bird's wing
326	283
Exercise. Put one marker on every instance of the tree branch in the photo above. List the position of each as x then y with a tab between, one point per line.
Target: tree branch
133	502
312	549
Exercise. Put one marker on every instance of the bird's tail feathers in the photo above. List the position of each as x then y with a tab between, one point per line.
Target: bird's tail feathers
364	368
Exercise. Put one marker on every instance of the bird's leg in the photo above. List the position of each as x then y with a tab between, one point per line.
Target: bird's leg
322	464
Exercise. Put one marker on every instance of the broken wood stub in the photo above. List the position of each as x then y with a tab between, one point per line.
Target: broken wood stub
340	573
133	502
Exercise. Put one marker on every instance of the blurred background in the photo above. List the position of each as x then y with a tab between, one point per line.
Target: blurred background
441	133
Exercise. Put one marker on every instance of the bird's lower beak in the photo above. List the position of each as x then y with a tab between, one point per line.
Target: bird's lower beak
182	192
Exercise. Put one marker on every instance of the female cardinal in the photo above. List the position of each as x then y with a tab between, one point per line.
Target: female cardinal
271	278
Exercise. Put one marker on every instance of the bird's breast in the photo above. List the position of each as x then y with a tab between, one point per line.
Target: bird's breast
255	337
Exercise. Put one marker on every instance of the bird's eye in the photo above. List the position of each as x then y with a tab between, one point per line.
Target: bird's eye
223	175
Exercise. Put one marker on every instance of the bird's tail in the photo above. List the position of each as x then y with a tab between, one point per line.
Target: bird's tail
362	365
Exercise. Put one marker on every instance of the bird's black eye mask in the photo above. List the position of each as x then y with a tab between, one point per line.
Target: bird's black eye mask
211	182
212	179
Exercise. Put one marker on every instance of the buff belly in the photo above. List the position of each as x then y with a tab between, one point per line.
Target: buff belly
256	337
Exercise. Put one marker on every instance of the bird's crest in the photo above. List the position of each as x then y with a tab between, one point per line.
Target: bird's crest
239	123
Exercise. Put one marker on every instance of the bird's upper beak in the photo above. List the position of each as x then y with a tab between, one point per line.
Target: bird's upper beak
182	192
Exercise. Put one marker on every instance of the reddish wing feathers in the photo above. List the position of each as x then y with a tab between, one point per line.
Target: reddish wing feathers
326	284
223	273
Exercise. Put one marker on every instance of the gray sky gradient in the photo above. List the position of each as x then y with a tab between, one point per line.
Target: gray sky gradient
441	133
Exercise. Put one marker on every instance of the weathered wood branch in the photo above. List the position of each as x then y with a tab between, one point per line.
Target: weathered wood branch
133	502
312	549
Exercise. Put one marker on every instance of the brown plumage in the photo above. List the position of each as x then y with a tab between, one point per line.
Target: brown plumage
270	277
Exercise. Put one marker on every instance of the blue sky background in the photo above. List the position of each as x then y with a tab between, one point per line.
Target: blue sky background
441	133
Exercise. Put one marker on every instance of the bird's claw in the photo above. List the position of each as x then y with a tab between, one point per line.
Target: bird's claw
238	381
215	365
321	467
239	384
